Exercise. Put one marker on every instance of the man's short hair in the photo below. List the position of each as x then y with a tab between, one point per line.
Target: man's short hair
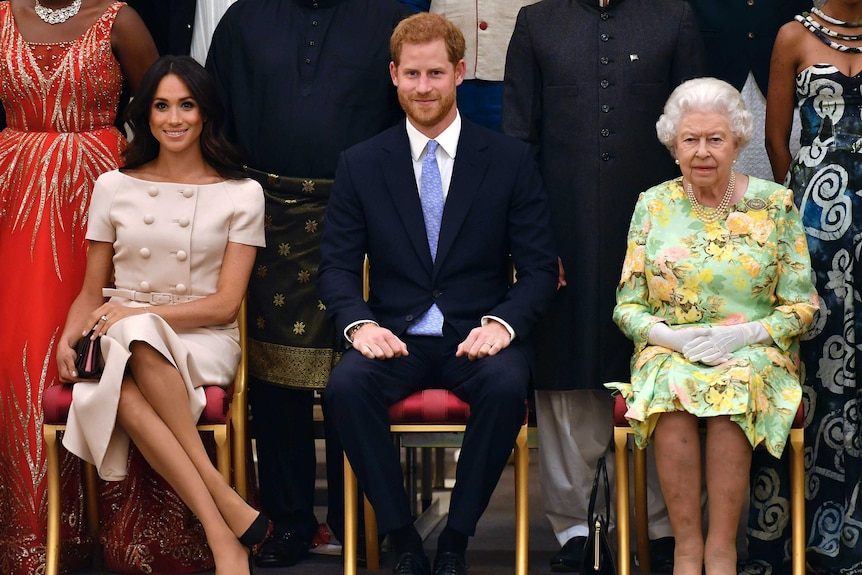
426	27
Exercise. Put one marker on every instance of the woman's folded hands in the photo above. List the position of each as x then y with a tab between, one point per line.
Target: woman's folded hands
720	342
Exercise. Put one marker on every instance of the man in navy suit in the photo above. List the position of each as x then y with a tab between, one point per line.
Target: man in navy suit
441	312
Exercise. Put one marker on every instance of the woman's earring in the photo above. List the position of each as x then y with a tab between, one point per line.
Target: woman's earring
677	162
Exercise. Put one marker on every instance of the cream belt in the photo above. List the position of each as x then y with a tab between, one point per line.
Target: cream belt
152	298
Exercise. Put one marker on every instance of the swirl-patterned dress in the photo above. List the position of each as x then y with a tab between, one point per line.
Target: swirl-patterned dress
753	266
826	176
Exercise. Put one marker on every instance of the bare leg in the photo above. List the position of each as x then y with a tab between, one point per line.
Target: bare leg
164	453
677	456
728	461
163	388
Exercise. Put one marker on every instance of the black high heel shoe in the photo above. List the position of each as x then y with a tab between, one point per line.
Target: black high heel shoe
257	532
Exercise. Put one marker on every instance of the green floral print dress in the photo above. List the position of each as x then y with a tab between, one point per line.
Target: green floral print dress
753	266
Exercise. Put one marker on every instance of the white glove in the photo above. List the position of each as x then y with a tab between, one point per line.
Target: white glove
675	339
721	341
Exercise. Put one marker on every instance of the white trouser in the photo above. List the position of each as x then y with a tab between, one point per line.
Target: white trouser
575	429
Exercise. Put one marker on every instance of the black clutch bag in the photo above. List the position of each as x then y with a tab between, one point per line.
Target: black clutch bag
88	357
598	557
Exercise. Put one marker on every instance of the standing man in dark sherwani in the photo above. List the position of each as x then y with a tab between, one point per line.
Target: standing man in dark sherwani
302	80
585	82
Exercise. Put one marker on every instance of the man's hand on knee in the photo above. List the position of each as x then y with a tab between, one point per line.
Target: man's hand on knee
375	342
489	339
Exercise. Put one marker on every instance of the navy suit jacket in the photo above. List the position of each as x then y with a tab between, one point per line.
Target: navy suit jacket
496	206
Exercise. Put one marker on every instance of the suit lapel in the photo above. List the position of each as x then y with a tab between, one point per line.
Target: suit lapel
397	167
471	162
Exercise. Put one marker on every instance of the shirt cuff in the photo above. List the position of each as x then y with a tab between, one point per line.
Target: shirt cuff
487	318
347	329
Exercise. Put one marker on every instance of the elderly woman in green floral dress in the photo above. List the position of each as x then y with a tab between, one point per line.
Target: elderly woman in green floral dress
715	291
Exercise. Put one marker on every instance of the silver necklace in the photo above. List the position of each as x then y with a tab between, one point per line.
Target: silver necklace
719	212
50	16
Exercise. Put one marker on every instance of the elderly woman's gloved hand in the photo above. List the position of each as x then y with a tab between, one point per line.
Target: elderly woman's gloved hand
675	339
716	346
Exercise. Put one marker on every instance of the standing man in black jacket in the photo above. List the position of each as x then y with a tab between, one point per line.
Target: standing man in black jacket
585	83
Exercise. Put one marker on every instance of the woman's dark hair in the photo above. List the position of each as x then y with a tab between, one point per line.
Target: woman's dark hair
217	150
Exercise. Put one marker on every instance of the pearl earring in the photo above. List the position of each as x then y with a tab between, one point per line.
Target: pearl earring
676	162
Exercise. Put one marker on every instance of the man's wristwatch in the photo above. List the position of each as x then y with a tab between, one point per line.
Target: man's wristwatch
352	331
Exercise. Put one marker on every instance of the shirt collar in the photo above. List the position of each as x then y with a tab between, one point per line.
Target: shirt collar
448	138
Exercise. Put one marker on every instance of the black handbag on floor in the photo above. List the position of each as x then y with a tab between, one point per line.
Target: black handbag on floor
598	557
88	357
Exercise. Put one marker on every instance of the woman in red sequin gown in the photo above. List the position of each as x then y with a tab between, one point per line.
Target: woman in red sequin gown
60	85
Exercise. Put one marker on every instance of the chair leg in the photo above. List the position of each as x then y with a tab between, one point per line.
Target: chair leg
797	500
622	487
92	495
372	555
350	518
522	530
222	451
641	531
52	544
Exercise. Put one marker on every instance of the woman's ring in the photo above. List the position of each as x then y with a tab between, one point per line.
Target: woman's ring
489	343
104	318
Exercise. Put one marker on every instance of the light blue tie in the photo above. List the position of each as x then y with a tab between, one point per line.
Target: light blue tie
431	195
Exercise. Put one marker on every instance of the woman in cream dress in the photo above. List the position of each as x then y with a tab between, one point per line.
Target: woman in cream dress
178	230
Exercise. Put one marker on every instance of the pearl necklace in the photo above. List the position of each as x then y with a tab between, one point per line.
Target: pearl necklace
718	213
50	16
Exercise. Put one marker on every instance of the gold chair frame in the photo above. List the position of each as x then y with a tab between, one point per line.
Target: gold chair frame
621	433
351	489
230	442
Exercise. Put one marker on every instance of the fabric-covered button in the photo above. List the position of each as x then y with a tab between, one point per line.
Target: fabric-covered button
182	255
188	192
183	222
153	191
180	288
145	253
144	285
149	219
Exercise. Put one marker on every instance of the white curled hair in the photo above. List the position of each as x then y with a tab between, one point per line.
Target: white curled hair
705	95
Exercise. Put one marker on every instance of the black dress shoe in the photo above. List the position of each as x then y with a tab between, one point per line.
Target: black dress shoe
281	550
569	557
411	564
661	554
450	564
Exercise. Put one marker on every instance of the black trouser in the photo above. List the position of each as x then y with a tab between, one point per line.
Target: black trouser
283	426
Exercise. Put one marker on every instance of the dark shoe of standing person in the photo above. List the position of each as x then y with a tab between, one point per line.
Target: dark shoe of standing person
569	557
411	564
281	550
450	564
661	554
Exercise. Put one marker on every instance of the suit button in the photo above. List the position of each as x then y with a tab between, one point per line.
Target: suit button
436	293
604	60
750	2
408	318
604	83
606	157
604	37
605	132
605	16
606	108
751	35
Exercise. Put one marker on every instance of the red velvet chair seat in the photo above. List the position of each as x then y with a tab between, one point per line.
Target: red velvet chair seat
430	406
57	400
